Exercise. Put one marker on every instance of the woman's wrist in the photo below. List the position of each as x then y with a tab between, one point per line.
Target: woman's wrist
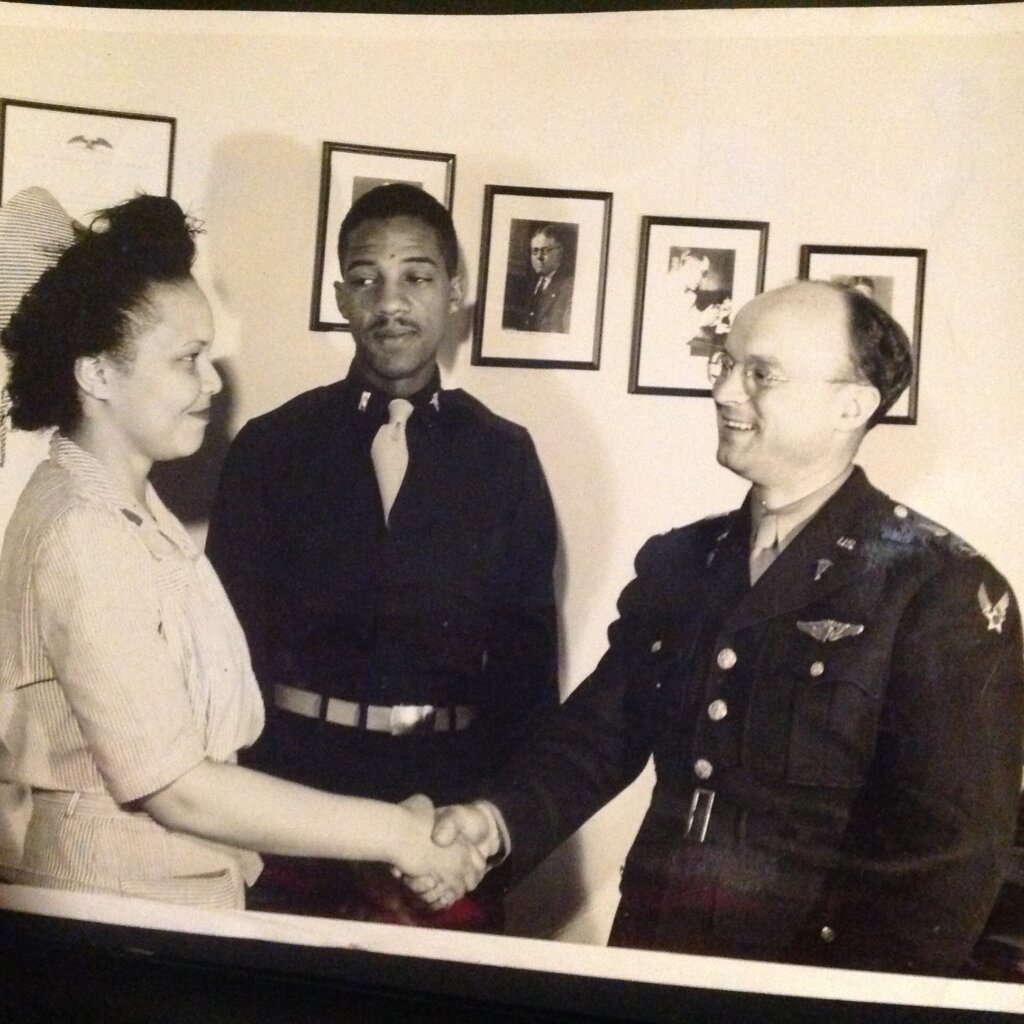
408	840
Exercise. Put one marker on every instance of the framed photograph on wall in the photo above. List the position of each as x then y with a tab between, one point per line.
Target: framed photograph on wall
87	159
894	278
543	260
691	275
346	172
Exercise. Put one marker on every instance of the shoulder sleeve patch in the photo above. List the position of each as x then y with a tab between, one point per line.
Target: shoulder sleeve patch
993	611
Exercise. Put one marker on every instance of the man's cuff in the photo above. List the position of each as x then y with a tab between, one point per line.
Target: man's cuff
499	830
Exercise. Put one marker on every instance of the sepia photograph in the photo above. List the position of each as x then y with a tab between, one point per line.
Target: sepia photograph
92	158
543	261
346	660
692	274
540	276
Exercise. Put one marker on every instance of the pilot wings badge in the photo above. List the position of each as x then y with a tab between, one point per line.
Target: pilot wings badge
827	630
995	613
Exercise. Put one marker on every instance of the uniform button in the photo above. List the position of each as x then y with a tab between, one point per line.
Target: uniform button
827	934
702	769
717	710
726	658
901	511
817	668
655	647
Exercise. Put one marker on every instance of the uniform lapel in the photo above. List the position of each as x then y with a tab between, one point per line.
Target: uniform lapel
827	554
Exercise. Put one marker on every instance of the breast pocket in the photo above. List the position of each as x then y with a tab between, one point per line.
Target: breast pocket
837	690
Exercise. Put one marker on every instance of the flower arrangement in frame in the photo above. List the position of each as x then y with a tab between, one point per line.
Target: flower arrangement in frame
346	173
894	278
692	274
543	260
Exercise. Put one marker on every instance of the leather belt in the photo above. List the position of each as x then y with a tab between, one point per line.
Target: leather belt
397	719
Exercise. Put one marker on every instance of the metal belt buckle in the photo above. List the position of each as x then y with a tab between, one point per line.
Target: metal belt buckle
407	718
700	814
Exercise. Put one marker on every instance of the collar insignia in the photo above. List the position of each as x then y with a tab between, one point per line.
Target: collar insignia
823	566
435	401
846	543
994	613
364	401
828	630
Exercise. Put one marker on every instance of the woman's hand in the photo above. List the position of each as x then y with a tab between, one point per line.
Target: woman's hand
444	873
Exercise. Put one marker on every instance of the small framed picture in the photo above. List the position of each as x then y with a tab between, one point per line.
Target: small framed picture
86	159
691	276
543	260
894	278
347	171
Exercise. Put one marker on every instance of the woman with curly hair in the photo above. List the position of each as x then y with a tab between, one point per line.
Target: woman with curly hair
125	683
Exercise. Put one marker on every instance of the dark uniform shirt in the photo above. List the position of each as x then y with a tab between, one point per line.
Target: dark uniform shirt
837	748
452	605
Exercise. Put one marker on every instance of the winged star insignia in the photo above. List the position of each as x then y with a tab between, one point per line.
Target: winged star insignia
995	613
828	630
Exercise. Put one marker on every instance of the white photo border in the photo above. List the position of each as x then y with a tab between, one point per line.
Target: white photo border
653	359
580	347
88	159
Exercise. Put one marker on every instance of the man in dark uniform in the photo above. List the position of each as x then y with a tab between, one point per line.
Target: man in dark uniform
830	684
389	547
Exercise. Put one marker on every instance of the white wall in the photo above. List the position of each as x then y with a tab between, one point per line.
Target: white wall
858	127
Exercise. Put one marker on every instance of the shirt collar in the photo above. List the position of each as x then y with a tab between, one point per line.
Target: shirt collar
793	517
96	483
373	402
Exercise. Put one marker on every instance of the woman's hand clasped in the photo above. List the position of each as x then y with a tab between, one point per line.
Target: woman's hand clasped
443	874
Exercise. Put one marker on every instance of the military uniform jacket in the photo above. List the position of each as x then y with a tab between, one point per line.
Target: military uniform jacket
837	748
451	605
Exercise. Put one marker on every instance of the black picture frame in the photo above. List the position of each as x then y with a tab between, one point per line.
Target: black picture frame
87	158
692	273
521	319
894	278
346	171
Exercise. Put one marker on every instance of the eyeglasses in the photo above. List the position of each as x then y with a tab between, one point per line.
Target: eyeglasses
543	250
757	377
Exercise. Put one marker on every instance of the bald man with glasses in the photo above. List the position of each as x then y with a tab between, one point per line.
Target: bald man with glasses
830	685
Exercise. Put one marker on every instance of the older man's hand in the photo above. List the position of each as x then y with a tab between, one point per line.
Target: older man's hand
470	825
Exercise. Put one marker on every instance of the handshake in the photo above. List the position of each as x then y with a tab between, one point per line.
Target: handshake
450	852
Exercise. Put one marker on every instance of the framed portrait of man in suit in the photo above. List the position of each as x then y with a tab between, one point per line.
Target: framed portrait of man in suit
543	260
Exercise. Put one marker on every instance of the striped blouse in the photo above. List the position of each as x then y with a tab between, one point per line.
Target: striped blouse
122	666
